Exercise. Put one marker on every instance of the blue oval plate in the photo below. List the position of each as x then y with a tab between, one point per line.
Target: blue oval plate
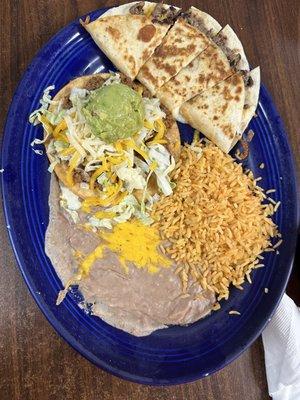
170	356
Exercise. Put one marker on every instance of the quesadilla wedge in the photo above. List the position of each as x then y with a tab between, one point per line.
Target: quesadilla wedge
217	112
184	41
210	67
206	70
252	87
128	35
231	45
107	138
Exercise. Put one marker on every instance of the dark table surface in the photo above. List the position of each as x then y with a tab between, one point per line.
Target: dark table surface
35	363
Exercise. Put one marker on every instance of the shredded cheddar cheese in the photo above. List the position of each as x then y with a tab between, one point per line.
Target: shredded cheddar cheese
134	243
62	126
74	162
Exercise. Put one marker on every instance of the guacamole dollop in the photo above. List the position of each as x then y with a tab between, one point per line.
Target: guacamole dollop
114	112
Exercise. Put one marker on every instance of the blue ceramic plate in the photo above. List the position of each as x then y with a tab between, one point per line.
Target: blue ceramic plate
170	356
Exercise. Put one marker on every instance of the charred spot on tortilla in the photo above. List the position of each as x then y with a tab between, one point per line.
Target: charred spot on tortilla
114	32
146	33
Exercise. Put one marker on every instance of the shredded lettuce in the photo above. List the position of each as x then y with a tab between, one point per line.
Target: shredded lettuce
132	177
114	78
69	199
165	165
152	109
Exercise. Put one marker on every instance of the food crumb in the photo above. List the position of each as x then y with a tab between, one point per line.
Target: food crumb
1	170
216	306
262	166
277	244
276	206
234	312
38	152
277	253
266	290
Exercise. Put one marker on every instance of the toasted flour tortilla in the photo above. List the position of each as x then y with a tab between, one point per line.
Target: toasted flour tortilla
206	70
251	98
137	302
210	67
252	89
180	46
92	82
127	39
229	42
217	112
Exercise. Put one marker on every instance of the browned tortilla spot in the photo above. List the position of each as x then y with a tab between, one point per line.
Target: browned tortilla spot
148	75
146	54
113	32
224	107
146	33
131	60
235	80
167	51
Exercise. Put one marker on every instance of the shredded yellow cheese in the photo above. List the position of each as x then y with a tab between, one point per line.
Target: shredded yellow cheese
149	125
105	214
160	129
89	261
134	243
103	202
95	175
62	126
46	123
66	152
74	162
131	145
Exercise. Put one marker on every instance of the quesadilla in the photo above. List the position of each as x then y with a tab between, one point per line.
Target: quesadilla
210	67
128	35
184	41
217	112
107	138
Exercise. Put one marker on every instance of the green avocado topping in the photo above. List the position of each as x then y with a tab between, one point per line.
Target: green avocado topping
114	112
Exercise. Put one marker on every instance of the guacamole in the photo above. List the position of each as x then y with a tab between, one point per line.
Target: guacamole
114	112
